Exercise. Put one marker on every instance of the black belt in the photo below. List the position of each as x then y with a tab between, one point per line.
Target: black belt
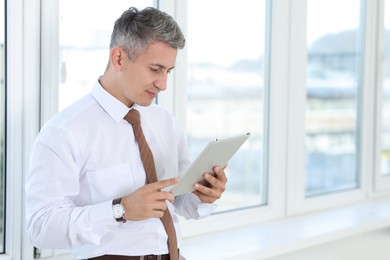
121	257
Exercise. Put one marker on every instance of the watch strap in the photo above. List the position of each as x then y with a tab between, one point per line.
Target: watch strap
116	201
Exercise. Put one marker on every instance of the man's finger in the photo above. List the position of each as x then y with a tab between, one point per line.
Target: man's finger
162	206
159	185
163	195
204	190
220	172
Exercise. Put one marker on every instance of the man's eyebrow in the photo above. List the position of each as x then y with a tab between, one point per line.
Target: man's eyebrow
162	66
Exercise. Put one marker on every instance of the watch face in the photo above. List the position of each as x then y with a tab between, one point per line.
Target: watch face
118	210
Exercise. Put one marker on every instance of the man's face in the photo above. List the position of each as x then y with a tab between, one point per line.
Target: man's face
141	80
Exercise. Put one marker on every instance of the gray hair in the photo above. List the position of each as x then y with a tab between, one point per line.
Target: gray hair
135	30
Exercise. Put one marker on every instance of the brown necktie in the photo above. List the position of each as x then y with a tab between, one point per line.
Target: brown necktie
133	117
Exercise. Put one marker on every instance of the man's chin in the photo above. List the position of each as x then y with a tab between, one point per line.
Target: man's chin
145	103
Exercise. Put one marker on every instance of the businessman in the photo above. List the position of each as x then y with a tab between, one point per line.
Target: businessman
101	169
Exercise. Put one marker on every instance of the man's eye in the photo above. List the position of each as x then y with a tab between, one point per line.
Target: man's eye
153	69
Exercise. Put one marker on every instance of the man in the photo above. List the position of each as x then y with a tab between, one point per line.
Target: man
88	188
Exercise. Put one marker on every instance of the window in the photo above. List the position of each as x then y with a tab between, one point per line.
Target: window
333	89
227	92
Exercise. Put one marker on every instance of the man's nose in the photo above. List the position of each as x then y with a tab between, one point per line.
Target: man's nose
161	82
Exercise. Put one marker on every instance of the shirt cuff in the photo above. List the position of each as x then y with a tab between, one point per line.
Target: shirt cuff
190	206
89	224
204	209
102	212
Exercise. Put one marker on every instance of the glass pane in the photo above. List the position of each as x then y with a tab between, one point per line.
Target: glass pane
385	153
331	120
2	124
226	90
84	43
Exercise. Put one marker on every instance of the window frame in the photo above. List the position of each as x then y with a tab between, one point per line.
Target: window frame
13	125
16	120
381	183
297	202
22	120
49	44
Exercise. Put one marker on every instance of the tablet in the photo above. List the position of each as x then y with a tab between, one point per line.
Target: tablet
216	153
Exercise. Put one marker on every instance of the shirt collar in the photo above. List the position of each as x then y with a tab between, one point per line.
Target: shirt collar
115	108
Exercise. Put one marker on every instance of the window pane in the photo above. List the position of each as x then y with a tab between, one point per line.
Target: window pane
2	123
226	90
385	154
84	43
331	120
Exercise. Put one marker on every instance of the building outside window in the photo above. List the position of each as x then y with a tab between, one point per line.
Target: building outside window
333	96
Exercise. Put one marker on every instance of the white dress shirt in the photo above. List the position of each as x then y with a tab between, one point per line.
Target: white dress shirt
86	156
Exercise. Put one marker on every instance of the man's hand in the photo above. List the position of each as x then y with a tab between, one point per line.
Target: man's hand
148	201
215	188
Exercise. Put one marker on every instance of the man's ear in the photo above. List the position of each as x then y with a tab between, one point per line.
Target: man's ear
116	56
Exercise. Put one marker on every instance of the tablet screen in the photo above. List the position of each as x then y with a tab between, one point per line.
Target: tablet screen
216	153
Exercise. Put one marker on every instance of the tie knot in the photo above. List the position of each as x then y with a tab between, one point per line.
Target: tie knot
133	117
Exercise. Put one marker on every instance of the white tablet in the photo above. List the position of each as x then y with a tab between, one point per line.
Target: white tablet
216	153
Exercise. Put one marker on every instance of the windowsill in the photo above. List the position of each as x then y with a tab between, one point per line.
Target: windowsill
287	235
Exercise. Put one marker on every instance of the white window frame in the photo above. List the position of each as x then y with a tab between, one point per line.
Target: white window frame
22	120
49	62
13	125
297	203
381	183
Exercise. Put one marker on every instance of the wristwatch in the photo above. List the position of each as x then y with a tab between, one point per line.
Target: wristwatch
118	210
